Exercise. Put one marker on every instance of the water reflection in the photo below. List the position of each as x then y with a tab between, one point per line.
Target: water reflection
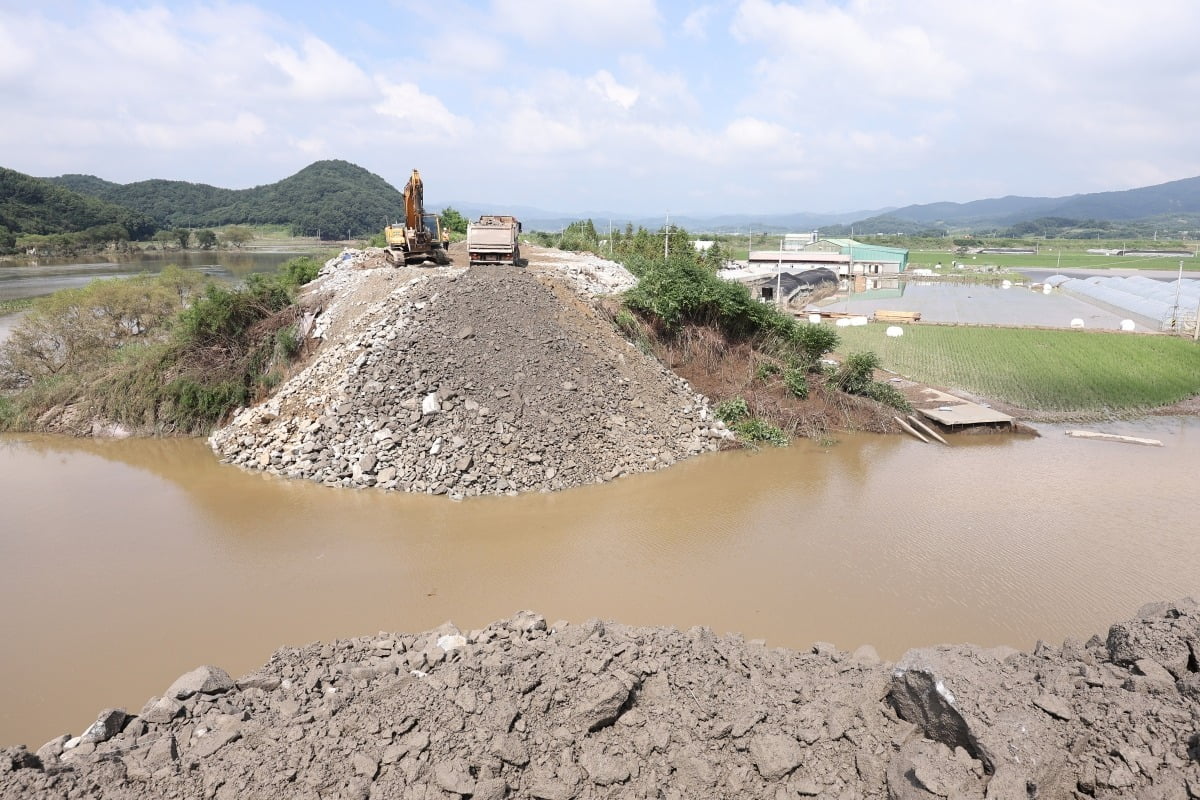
43	276
150	557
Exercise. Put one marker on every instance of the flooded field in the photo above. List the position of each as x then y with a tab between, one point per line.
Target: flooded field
24	279
973	303
126	563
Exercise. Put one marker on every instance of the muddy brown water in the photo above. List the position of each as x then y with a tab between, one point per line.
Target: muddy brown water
126	563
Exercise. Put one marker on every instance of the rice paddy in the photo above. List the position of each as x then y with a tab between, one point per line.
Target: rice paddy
1041	370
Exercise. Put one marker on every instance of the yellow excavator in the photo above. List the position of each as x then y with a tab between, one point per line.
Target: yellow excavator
420	238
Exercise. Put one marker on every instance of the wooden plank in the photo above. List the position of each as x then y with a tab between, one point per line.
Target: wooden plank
1112	437
910	429
897	316
921	426
964	413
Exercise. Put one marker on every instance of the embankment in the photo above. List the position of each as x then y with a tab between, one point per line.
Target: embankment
483	381
521	709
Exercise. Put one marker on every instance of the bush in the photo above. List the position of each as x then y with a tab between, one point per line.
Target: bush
796	383
681	290
287	342
856	373
813	341
299	271
732	411
766	369
194	403
755	430
888	395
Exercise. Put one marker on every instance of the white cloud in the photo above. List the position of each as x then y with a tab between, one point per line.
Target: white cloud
605	85
467	52
755	134
554	23
695	24
530	131
824	50
318	72
245	129
417	113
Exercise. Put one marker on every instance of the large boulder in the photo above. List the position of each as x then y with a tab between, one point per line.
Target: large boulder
1166	633
201	680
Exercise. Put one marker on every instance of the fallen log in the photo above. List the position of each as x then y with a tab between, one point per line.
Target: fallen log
921	426
910	429
1113	437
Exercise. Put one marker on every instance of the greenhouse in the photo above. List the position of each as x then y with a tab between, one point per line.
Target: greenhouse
1158	305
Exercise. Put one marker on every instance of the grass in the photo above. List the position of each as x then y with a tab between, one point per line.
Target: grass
1060	371
1049	259
15	304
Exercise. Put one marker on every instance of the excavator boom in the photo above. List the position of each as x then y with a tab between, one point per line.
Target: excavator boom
420	238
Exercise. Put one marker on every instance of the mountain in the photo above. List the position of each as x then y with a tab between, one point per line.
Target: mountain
539	219
33	205
331	197
1174	197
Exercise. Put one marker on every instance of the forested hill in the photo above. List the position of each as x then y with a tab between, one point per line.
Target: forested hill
1175	197
332	197
30	205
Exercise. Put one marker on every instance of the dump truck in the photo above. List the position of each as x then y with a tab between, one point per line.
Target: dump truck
420	237
493	240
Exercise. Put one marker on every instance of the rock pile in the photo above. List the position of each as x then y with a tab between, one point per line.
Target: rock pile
525	710
478	382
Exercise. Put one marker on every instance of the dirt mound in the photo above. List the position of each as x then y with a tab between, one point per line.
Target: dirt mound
490	380
522	709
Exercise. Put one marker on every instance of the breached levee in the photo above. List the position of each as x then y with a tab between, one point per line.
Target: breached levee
485	381
523	709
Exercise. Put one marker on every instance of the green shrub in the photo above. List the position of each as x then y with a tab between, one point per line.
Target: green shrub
796	383
755	430
732	411
299	271
626	322
681	290
813	341
194	402
287	342
888	395
766	369
856	373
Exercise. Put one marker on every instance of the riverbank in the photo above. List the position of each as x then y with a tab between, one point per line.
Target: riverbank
469	382
525	709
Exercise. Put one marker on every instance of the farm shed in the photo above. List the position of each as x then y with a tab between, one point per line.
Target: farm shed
792	285
847	257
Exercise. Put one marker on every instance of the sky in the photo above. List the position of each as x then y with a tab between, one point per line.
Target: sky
624	106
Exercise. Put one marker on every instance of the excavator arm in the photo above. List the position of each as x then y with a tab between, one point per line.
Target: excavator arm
414	201
421	238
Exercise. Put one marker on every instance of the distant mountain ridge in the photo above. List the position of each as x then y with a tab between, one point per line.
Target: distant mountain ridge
337	196
29	205
1173	197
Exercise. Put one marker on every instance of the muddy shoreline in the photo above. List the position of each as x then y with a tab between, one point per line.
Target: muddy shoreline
526	709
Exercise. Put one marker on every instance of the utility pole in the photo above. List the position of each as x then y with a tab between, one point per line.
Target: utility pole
779	276
1178	287
667	238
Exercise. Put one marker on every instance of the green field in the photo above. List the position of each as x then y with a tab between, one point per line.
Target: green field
1062	371
1049	259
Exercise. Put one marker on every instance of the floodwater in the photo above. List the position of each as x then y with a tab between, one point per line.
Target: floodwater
22	278
126	563
977	304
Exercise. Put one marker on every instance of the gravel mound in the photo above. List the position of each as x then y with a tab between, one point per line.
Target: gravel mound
525	710
485	381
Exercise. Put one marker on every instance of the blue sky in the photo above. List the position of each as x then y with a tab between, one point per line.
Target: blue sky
628	106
